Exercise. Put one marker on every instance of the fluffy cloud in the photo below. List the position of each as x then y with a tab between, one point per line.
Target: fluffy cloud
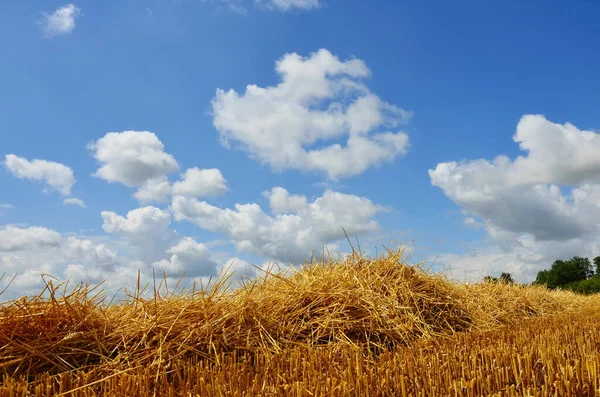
523	195
197	182
29	252
191	256
60	22
141	241
137	159
147	230
74	201
287	5
320	98
559	154
56	175
526	215
132	158
521	255
157	189
15	238
85	251
297	228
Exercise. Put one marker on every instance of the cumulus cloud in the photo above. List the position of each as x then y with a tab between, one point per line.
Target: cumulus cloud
541	210
287	5
190	256
522	256
525	212
319	99
140	242
297	227
132	158
29	252
557	154
196	182
56	175
524	195
137	159
86	251
157	189
60	22
147	230
15	238
74	201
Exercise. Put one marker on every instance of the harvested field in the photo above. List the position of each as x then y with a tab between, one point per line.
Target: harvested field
367	327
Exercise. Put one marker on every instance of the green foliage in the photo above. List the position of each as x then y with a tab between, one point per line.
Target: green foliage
542	277
575	274
589	286
505	278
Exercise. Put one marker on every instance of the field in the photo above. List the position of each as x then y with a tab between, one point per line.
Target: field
362	327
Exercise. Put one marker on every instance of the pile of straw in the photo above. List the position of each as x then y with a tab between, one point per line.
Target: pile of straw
372	303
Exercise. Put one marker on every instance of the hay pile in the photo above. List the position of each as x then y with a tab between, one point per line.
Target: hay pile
374	303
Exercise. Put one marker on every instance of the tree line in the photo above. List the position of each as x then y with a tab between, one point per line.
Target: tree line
576	274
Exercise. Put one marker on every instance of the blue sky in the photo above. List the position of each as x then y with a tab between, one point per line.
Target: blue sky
143	106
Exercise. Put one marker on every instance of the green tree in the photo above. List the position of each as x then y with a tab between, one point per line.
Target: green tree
542	277
565	272
506	278
584	266
576	274
490	279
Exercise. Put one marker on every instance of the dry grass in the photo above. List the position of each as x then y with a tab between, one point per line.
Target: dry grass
367	326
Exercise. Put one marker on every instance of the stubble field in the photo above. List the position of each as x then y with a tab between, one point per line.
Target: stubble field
361	327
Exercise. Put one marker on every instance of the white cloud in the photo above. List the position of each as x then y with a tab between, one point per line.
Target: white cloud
157	189
137	159
239	267
147	230
319	99
29	252
529	220
86	251
297	227
287	5
522	256
558	154
15	238
77	273
132	158
74	201
471	223
60	22
523	196
191	256
56	175
541	210
197	182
